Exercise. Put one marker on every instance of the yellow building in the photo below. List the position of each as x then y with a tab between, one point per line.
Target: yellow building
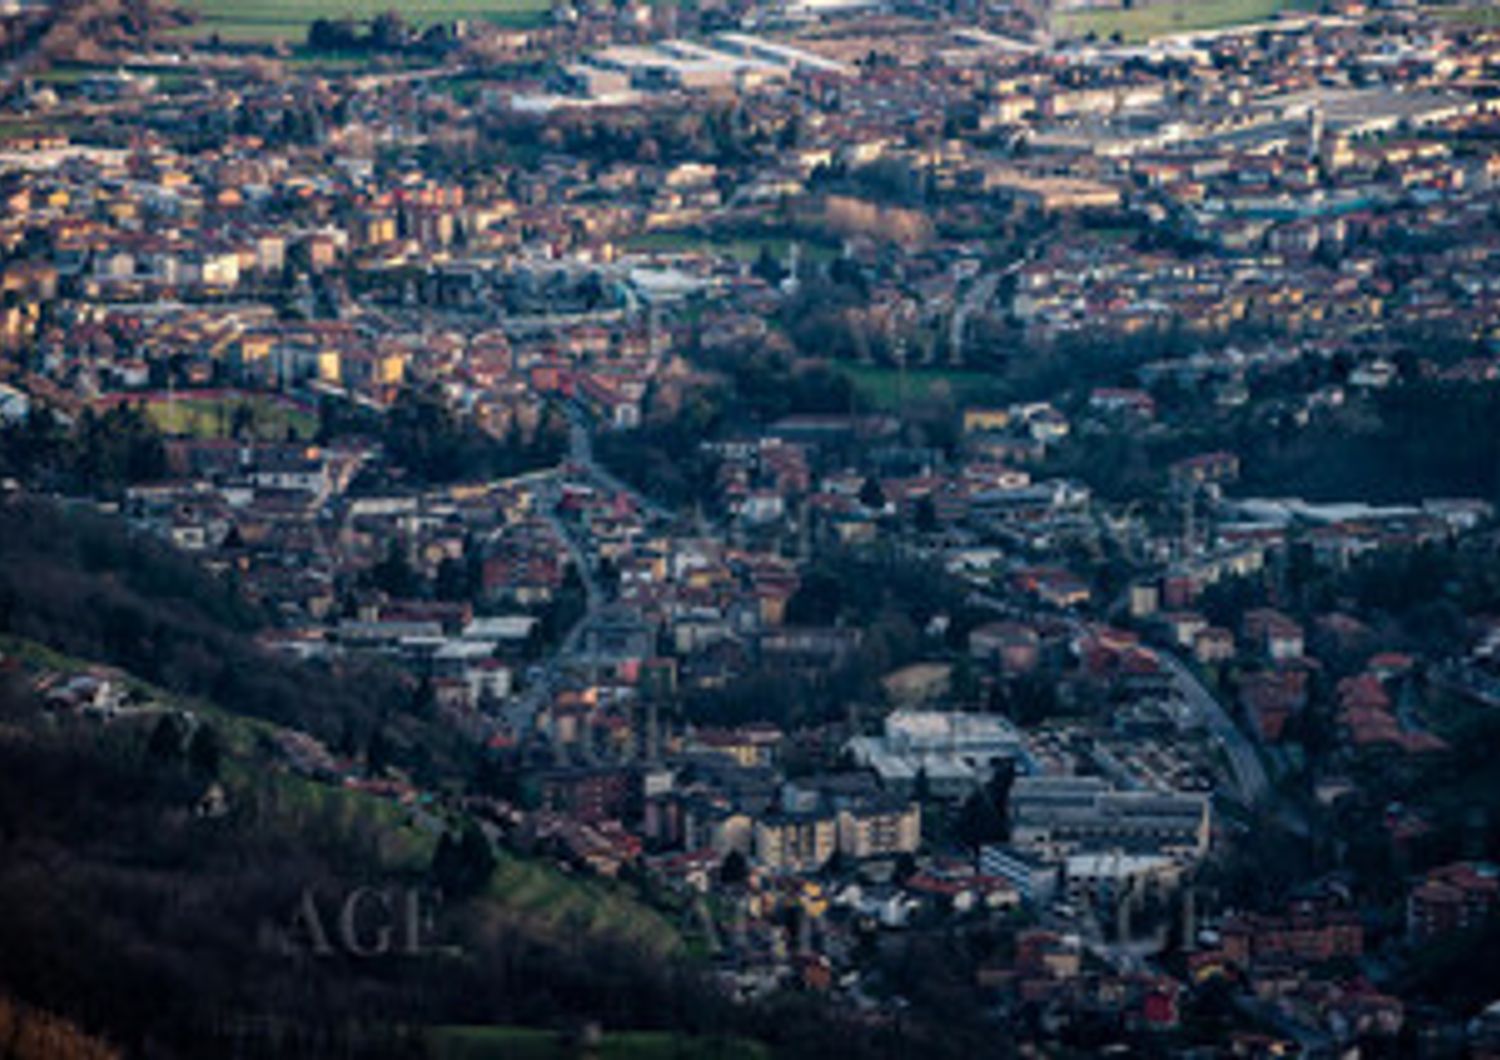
978	420
795	842
880	830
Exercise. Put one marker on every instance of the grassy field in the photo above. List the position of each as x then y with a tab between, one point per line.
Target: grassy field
555	899
269	20
1168	17
545	895
880	388
214	417
403	846
525	1043
1483	15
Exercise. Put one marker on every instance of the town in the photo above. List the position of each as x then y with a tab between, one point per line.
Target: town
975	513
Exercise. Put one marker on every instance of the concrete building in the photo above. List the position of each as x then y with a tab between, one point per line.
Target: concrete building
955	752
1055	817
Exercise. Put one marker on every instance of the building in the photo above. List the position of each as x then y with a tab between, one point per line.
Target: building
795	842
1104	879
1454	898
1034	879
879	828
586	793
952	753
1308	933
1055	817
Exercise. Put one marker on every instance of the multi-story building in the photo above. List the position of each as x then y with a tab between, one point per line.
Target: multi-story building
879	828
1058	816
1454	898
795	842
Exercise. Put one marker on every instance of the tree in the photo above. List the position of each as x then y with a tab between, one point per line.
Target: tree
377	753
734	870
871	495
204	752
768	268
394	574
924	517
165	744
462	865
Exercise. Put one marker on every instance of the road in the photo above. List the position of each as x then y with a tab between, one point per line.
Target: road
521	711
581	452
1251	783
1247	773
974	301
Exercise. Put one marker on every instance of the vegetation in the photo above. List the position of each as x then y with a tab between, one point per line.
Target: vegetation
424	436
1144	20
79	584
243	416
523	1043
290	21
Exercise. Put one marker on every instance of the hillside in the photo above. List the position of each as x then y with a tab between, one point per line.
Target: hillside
133	906
159	919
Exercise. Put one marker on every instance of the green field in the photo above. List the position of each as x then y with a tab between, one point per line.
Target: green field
555	899
881	388
269	20
1168	17
1483	15
271	420
525	1043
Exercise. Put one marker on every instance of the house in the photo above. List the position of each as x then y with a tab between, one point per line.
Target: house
1270	697
1453	898
1309	932
1205	469
1212	645
1013	645
586	793
1274	634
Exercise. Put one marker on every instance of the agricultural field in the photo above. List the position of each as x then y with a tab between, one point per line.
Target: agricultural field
287	20
1146	20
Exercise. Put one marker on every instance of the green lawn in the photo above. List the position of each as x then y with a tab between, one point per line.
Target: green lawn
1168	17
214	418
250	20
881	387
526	1043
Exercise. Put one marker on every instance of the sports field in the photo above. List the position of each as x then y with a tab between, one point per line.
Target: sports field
268	20
1160	18
883	388
224	413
